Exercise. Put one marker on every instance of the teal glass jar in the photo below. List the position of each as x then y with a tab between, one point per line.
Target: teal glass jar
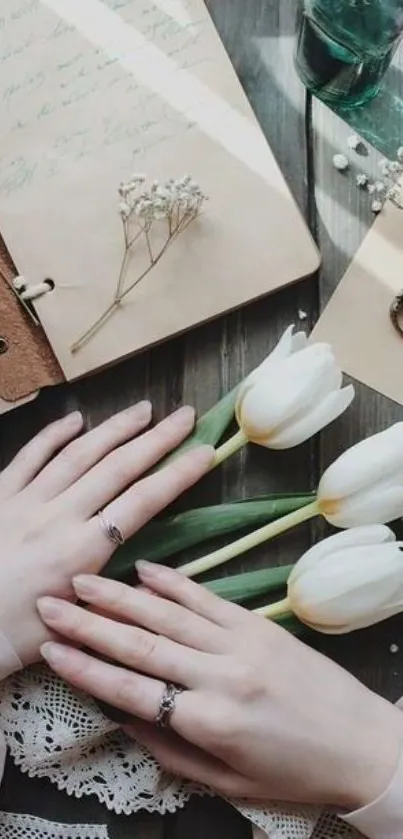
344	47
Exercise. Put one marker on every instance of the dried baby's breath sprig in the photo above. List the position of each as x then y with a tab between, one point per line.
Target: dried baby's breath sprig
175	203
354	142
395	194
390	187
376	206
384	166
393	171
362	180
340	162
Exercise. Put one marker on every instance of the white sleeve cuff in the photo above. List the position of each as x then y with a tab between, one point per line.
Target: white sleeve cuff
383	818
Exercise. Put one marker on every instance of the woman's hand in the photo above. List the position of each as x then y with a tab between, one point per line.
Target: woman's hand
49	498
262	716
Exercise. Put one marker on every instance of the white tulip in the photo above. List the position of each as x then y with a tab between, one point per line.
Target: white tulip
348	581
365	484
294	393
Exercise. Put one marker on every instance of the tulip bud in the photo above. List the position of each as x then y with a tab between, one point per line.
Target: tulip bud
365	484
294	393
348	581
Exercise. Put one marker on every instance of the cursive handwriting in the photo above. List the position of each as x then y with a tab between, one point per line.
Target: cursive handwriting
64	99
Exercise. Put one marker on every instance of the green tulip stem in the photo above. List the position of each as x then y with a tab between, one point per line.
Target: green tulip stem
252	540
275	610
233	445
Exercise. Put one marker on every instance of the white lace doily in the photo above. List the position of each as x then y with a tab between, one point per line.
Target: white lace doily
55	732
16	826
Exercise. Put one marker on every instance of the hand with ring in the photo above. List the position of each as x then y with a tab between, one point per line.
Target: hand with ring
51	496
222	696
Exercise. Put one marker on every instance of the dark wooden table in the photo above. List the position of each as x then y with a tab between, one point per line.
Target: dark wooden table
202	365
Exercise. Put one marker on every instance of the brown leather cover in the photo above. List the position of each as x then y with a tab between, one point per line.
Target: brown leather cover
29	362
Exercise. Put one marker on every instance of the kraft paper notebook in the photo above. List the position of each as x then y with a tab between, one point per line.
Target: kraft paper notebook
93	91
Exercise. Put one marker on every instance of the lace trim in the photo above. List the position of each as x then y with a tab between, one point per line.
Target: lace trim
57	733
17	826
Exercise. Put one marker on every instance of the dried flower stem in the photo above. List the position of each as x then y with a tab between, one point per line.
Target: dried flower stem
183	223
121	276
150	253
178	203
128	245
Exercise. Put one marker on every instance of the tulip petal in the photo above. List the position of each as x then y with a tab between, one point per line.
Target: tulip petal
329	381
284	346
332	406
282	350
373	534
352	585
364	464
378	504
287	345
299	341
289	389
360	623
381	615
362	610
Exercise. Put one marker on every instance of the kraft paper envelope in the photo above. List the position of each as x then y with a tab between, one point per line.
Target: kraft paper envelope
93	91
356	321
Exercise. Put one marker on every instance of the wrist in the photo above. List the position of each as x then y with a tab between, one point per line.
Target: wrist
372	756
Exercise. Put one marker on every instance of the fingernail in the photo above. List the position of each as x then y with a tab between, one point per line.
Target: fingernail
86	585
147	569
205	452
54	654
50	609
75	418
143	410
185	416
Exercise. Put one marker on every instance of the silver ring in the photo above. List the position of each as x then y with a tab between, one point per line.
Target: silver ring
111	530
167	705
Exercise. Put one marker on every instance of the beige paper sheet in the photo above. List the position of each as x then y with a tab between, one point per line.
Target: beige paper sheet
95	90
356	321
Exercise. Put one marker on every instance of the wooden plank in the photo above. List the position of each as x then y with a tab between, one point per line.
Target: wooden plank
343	218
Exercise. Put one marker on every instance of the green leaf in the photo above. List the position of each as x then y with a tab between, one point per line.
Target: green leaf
209	428
163	538
243	587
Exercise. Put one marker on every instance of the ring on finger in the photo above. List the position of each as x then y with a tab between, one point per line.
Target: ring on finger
167	705
111	530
